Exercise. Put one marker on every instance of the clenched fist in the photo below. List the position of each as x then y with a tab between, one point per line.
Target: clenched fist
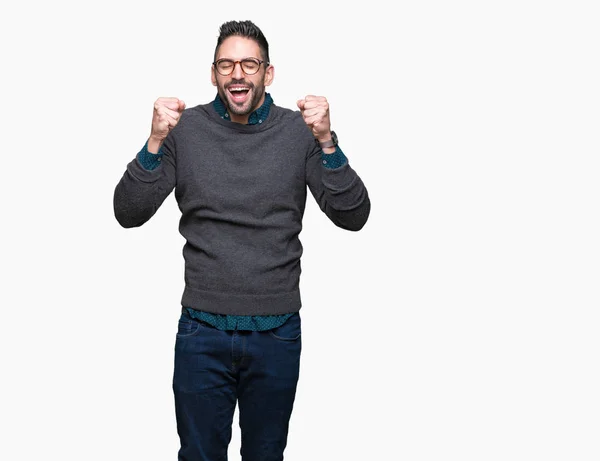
167	112
315	111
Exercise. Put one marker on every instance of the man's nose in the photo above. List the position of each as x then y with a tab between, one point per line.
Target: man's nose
237	73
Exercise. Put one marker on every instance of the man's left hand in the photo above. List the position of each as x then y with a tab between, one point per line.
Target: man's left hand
315	112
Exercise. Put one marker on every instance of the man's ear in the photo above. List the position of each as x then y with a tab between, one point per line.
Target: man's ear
213	77
269	75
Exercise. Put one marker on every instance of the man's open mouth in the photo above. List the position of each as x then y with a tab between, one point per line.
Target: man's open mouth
239	93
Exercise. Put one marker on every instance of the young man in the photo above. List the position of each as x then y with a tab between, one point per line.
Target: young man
240	166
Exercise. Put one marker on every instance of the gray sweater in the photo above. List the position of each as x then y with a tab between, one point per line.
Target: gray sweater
242	193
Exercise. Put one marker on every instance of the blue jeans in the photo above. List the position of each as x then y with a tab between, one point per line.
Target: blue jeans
216	369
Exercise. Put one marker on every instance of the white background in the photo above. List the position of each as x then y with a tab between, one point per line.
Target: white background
461	322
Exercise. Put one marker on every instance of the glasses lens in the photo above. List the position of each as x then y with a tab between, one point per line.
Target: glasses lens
250	66
225	66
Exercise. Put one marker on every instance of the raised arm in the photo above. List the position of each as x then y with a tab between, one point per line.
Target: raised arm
150	177
337	188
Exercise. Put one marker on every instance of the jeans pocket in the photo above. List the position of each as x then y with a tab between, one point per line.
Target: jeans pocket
289	331
187	326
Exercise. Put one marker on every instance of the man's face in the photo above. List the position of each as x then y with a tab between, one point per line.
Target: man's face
241	93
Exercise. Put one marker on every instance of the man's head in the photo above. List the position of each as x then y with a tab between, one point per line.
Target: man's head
241	68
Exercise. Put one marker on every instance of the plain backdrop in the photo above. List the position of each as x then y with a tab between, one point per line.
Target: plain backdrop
461	323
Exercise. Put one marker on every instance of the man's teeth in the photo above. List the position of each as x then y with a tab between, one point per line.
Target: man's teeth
238	89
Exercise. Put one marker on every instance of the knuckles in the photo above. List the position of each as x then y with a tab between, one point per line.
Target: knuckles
169	103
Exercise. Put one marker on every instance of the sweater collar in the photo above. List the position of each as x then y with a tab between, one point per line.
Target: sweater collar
256	117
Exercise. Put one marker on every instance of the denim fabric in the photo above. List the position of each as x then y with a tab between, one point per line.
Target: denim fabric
215	369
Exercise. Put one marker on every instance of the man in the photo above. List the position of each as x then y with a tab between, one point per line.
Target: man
240	166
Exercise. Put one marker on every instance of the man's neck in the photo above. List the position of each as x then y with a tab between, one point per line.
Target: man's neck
243	119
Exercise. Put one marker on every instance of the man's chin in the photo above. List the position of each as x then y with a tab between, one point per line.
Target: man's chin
240	108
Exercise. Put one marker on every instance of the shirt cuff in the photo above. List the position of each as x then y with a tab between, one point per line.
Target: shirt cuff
147	160
334	160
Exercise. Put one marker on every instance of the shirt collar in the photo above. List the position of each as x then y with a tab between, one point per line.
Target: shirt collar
256	117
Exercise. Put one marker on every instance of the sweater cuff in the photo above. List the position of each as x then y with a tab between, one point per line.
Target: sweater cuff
147	160
335	159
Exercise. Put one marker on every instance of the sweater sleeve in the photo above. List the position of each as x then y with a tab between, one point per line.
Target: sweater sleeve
339	192
141	191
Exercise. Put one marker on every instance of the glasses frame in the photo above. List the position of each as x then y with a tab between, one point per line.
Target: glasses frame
216	65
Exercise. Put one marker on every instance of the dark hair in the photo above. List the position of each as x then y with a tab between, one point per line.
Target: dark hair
245	29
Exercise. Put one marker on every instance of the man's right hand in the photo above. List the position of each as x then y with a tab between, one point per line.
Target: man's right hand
167	112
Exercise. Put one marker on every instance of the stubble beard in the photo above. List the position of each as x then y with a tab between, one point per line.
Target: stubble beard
245	109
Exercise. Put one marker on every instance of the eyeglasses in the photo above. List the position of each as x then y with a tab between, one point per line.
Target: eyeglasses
249	66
